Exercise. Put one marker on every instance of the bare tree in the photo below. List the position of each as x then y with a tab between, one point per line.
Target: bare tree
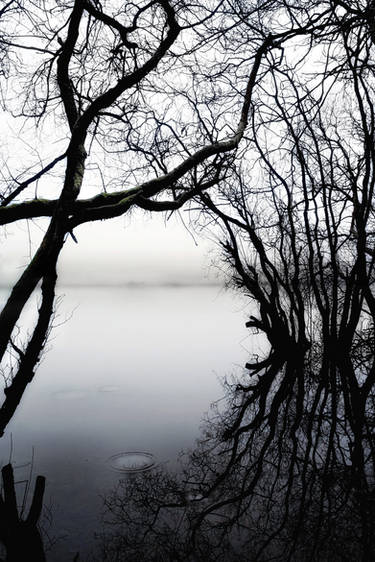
300	236
118	94
133	83
261	114
290	464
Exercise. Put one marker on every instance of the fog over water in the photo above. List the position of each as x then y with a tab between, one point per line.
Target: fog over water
115	252
129	368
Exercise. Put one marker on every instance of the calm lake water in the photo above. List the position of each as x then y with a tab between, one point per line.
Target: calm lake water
128	369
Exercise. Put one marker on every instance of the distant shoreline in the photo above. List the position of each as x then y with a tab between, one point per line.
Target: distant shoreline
133	285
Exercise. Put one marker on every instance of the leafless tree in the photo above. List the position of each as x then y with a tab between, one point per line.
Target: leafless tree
261	114
131	85
120	96
291	462
300	237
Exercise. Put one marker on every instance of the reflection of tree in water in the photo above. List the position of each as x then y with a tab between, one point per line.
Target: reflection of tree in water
255	488
235	499
287	472
277	150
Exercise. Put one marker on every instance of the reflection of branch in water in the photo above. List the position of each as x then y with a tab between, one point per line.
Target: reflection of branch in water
236	501
29	358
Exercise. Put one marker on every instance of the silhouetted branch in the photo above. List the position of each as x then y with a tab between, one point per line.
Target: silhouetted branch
29	359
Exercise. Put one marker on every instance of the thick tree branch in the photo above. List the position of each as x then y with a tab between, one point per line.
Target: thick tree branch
63	78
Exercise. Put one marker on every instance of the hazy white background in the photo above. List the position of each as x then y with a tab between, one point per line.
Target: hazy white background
139	248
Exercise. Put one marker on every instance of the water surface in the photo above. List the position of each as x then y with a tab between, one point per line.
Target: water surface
128	369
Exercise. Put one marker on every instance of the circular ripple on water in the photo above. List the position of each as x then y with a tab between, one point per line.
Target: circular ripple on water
132	461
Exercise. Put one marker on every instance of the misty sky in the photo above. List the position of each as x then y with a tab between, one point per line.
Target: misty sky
140	248
136	248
